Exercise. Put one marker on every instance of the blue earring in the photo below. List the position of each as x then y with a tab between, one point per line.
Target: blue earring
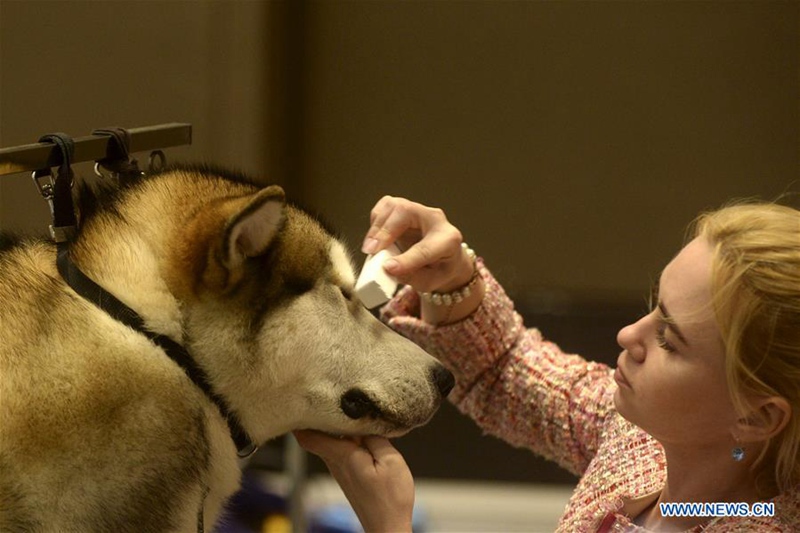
737	453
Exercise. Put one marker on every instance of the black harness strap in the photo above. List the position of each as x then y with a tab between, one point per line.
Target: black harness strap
118	158
64	222
106	301
64	229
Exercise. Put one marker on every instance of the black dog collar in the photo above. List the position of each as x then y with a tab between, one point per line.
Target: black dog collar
106	301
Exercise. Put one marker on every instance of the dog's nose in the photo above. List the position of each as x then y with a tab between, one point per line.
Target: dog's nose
356	404
443	379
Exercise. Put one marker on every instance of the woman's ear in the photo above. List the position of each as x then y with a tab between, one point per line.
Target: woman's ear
767	419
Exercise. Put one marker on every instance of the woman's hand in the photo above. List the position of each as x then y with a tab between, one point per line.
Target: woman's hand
433	259
372	474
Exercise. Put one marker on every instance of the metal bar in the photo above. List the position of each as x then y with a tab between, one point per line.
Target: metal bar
296	468
37	156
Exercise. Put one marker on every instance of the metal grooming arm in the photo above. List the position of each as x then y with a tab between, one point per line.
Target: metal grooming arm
36	156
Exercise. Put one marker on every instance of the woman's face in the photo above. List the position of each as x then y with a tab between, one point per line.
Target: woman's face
671	372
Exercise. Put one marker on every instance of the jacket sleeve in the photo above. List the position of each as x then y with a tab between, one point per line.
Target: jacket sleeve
512	382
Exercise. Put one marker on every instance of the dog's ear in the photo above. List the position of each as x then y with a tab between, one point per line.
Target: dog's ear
211	249
249	231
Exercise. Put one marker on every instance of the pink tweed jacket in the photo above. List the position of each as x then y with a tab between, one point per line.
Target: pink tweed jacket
523	389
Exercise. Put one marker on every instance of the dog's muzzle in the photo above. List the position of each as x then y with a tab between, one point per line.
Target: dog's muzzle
357	404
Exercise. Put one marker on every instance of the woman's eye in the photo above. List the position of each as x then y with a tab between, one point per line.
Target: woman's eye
661	339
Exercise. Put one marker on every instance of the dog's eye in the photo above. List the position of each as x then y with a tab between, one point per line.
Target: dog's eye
298	286
348	294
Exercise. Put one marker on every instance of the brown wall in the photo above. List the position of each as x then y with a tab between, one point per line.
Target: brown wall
79	65
571	141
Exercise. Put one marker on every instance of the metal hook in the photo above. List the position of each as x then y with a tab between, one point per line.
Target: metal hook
99	172
47	190
157	161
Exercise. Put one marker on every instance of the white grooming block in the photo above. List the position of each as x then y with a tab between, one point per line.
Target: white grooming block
374	286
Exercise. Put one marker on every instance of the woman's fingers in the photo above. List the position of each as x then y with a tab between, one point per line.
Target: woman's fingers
394	218
372	474
383	452
328	448
337	451
429	264
431	246
389	220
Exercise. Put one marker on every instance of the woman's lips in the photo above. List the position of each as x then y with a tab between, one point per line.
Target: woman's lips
622	381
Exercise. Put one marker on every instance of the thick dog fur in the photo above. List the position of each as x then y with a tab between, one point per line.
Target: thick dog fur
101	431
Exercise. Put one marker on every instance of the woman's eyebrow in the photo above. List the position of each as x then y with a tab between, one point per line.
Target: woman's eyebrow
670	323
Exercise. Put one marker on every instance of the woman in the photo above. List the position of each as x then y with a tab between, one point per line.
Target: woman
703	407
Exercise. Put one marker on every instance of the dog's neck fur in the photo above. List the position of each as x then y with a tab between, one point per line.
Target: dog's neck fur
141	263
140	285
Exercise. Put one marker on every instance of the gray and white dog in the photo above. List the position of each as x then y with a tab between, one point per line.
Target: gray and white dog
102	430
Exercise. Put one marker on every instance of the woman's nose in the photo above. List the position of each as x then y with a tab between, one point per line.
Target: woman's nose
631	340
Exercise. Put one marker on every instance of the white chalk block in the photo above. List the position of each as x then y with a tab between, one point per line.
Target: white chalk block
374	286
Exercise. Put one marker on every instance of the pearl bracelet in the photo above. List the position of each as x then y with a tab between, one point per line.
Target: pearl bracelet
456	296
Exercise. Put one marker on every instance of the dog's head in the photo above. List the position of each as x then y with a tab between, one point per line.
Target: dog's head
269	310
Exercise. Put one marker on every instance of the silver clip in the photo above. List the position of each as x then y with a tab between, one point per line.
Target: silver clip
99	173
47	190
247	451
62	233
111	176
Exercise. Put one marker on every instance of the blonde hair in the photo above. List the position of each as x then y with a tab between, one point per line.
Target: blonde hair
756	298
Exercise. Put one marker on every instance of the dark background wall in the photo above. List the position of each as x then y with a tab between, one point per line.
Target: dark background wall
571	141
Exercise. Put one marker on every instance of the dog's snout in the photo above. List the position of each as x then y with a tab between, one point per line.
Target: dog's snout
443	379
357	404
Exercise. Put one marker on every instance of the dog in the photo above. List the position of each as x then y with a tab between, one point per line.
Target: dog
102	430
